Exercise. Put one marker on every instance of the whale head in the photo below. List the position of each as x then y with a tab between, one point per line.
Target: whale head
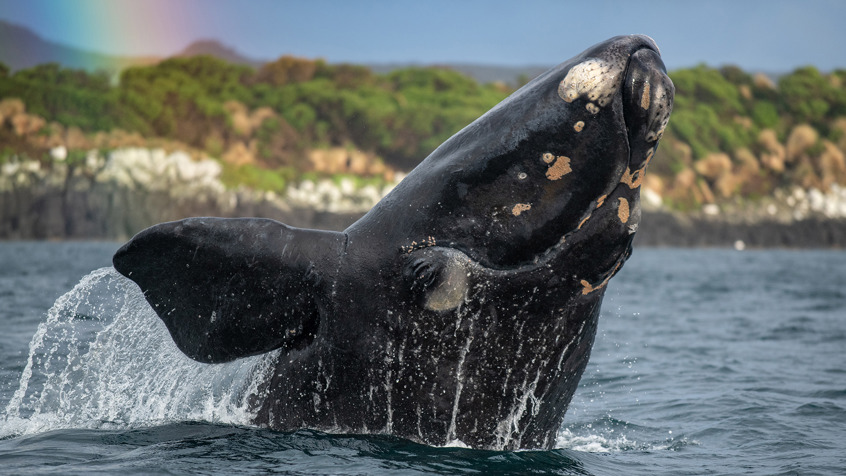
509	186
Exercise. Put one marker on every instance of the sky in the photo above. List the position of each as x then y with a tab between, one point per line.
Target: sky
770	36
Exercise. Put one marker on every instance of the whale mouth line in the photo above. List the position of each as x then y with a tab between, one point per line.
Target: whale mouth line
647	93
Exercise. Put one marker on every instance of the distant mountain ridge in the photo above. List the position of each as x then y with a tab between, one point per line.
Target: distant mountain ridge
218	50
22	48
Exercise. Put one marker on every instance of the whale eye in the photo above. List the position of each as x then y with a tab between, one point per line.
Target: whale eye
522	176
438	278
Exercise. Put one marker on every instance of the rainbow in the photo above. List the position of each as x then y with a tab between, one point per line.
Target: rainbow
94	34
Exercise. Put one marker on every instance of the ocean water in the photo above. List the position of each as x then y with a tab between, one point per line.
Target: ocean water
707	361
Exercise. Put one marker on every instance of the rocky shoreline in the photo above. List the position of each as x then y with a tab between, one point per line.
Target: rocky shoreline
113	197
678	230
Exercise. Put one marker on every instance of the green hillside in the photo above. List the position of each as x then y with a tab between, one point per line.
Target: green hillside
732	134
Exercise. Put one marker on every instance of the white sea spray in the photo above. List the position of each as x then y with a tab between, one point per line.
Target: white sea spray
103	359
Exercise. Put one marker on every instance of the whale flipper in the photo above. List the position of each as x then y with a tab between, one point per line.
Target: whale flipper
231	288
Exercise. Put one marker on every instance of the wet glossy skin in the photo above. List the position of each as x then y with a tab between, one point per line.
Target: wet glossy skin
464	305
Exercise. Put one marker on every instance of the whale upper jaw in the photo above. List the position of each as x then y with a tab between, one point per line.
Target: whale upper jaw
632	66
624	73
627	73
627	69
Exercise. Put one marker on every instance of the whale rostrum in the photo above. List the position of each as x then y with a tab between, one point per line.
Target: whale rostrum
463	306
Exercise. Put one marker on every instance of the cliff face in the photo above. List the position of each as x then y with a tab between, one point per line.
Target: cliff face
698	230
114	197
735	142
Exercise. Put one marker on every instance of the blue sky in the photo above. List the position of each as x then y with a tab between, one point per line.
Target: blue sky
770	36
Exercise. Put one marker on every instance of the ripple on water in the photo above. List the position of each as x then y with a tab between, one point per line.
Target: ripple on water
612	435
182	448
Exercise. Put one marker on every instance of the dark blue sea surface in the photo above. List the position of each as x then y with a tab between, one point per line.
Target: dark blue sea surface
707	361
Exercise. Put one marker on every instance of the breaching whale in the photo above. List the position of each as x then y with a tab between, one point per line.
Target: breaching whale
463	306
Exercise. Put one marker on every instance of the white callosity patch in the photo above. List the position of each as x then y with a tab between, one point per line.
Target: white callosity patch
595	79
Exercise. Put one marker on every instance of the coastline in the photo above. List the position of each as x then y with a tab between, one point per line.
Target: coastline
664	229
114	197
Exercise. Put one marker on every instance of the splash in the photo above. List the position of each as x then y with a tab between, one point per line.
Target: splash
593	443
590	440
103	359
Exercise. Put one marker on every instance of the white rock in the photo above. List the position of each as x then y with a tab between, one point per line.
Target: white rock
651	198
347	186
10	168
176	173
711	209
59	153
771	209
93	160
816	199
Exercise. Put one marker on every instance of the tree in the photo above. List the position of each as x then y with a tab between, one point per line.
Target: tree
287	69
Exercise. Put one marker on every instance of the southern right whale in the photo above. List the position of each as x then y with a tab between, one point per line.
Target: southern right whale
464	305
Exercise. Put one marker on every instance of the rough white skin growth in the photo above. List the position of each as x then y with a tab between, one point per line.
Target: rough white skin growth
597	79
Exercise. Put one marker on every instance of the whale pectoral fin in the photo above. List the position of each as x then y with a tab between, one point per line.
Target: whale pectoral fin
438	278
231	288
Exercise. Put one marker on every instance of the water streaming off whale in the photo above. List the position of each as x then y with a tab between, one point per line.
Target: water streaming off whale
102	359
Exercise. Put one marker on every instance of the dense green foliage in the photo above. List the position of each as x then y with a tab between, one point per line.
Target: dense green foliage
70	97
257	178
726	109
401	116
724	137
